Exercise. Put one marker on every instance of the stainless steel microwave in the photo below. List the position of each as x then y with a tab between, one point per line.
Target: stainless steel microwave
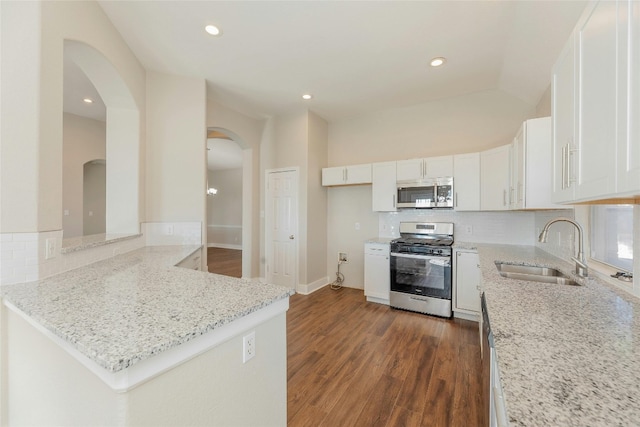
425	194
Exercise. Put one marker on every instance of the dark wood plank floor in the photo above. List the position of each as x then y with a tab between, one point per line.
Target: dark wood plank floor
354	363
227	262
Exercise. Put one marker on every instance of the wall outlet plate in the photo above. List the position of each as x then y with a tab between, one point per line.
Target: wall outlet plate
248	347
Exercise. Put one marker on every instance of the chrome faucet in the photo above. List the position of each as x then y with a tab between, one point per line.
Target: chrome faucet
581	263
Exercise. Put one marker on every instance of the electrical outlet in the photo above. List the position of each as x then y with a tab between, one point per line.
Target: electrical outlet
169	229
50	248
342	257
357	226
248	347
469	229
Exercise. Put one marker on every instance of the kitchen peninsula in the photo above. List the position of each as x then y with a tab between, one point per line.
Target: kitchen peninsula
134	340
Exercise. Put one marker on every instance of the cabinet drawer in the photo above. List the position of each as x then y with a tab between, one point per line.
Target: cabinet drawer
192	262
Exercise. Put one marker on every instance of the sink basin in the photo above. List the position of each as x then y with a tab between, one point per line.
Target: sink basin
534	274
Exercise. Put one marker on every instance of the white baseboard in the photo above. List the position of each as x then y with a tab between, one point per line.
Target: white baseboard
313	286
224	246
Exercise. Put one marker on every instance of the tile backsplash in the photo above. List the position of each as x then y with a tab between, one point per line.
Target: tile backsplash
514	228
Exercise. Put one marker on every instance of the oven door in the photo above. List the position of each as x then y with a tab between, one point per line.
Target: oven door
421	275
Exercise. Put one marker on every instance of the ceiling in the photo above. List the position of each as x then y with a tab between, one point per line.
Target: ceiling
355	57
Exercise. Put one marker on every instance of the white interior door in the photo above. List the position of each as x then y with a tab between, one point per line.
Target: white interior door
281	220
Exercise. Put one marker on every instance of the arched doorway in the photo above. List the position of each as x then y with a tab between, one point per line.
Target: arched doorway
229	227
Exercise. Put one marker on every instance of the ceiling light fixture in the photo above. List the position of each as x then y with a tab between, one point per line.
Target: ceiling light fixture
307	96
213	30
88	100
436	62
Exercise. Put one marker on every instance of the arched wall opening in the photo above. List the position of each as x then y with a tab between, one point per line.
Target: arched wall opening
247	188
122	214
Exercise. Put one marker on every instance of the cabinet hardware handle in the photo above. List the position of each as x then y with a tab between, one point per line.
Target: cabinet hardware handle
346	174
394	201
571	178
504	197
456	199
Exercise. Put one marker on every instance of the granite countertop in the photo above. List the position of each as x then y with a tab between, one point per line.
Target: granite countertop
568	355
123	310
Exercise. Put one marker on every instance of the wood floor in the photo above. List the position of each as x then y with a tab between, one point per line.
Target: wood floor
227	262
354	363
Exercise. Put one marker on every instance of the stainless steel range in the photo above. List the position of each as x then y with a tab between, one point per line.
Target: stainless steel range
421	268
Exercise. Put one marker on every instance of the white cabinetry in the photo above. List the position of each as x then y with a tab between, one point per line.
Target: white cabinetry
383	189
347	175
466	295
431	167
466	182
531	166
563	111
498	416
595	100
377	277
494	178
628	162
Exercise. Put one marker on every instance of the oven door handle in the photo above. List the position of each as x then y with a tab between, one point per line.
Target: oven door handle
399	255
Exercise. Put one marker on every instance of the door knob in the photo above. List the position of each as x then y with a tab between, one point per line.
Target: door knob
291	237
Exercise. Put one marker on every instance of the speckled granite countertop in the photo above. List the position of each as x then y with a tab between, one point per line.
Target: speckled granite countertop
128	308
568	355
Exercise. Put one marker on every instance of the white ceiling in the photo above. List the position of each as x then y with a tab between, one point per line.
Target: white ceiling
223	154
356	57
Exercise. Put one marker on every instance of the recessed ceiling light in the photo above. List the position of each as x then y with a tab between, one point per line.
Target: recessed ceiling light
213	30
307	96
88	100
436	62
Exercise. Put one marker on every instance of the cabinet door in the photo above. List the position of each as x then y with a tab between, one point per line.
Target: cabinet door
467	281
494	179
629	145
466	182
436	167
597	97
377	277
383	189
333	176
538	165
358	174
516	182
409	170
563	110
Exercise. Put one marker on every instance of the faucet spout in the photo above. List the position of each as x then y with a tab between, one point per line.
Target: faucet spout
581	263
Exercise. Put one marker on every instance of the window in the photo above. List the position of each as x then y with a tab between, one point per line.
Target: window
612	235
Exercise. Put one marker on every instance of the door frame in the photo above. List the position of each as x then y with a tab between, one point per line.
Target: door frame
268	218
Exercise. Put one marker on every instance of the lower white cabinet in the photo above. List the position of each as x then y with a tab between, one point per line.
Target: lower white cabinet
377	277
466	282
193	261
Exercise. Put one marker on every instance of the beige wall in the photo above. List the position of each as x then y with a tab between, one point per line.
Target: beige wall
176	147
94	198
316	199
543	109
449	126
31	135
248	132
224	210
83	140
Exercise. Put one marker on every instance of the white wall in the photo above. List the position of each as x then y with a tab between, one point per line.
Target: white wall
83	140
176	147
224	209
449	126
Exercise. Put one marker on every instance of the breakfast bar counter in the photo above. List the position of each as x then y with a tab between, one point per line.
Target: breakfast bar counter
137	316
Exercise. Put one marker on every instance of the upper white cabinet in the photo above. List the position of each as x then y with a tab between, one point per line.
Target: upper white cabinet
494	178
383	189
563	130
531	166
466	180
595	106
347	175
628	161
431	167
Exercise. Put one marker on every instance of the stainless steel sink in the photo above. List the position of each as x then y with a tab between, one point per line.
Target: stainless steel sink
534	274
